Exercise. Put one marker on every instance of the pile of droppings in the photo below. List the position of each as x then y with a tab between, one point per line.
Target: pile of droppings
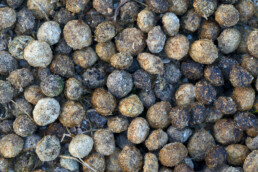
128	86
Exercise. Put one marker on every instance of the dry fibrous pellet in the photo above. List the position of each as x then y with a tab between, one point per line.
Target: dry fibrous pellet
40	8
4	40
205	92
48	148
104	141
156	140
250	63
94	77
192	70
20	78
165	169
142	79
209	30
112	161
130	159
11	145
7	63
38	54
24	126
129	12
103	101
131	106
105	31
52	85
252	132
97	120
252	43
105	50
17	45
172	154
25	22
138	130
121	60
250	163
191	21
96	162
246	9
170	23
62	47
198	113
43	73
157	6
63	16
227	15
25	161
147	97
158	115
85	58
21	107
69	164
150	163
163	90
151	63
226	105
94	18
49	32
215	157
33	94
46	111
229	40
14	3
31	141
81	145
177	47
73	89
179	7
6	126
246	120
104	7
156	39
252	143
236	154
178	135
118	124
62	65
77	35
72	114
7	18
205	8
226	132
199	144
146	20
226	64
130	40
245	31
119	83
203	51
244	97
240	77
6	91
180	117
4	164
183	168
214	75
172	73
76	6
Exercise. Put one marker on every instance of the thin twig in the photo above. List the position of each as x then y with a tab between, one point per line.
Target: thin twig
22	110
78	160
39	7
